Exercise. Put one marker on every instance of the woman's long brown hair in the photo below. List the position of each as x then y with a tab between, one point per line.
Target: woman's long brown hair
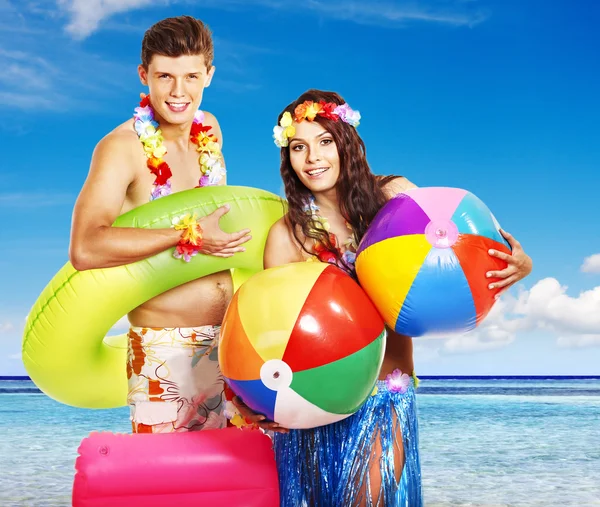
359	191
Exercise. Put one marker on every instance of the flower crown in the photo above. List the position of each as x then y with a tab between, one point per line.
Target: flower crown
308	110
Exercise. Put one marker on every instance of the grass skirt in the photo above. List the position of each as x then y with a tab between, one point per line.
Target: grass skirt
329	466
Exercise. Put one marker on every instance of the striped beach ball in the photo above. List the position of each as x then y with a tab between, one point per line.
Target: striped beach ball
424	258
302	344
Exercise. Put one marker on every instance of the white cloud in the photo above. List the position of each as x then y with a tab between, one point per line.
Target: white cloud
548	306
31	101
497	330
573	321
34	83
85	16
26	81
389	13
6	326
25	77
591	264
579	341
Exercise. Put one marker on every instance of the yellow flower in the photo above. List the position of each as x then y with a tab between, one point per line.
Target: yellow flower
159	151
213	147
375	390
286	120
238	421
204	159
312	110
152	141
322	222
148	148
289	131
189	225
148	131
183	221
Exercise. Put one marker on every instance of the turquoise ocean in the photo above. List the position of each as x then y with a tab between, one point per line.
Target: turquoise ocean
484	442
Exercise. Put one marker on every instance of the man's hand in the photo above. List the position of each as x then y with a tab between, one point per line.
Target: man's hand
217	242
256	418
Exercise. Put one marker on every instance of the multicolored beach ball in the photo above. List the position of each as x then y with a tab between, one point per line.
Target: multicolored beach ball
302	344
424	259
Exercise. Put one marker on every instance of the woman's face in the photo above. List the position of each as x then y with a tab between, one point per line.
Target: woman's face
314	156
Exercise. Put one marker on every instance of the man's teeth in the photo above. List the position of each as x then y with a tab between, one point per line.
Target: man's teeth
177	105
320	170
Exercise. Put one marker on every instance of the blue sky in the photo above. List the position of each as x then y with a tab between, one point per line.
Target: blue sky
498	97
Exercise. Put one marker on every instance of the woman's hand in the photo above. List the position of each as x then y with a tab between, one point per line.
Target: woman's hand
519	265
256	418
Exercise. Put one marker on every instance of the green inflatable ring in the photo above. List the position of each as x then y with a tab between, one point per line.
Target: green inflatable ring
65	348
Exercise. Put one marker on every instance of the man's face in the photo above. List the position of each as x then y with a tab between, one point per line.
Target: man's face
176	85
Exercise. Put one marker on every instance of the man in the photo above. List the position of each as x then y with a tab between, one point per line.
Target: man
174	379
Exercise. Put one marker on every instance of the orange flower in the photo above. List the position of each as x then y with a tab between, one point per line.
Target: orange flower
153	163
300	112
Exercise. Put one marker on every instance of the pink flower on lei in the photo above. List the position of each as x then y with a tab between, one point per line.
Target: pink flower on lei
397	382
160	191
348	115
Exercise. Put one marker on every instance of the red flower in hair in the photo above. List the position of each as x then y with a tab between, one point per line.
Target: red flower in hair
327	110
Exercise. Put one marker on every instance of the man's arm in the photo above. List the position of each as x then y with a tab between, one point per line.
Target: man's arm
94	242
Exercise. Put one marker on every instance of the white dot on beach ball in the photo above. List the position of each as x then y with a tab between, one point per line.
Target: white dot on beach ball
276	374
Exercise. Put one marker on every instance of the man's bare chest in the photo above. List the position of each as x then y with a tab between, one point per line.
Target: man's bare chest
184	175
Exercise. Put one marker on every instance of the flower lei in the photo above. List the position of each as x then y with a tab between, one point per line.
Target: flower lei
236	419
348	257
191	237
210	160
308	110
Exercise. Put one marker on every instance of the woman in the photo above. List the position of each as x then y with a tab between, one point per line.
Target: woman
370	458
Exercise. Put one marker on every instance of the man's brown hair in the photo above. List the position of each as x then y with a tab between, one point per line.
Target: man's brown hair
183	35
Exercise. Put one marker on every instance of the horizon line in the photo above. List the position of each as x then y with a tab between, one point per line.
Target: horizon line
431	377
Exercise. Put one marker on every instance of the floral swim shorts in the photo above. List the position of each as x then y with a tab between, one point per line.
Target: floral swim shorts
174	380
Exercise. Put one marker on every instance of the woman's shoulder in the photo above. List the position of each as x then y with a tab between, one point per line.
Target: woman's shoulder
281	228
281	232
282	246
394	185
